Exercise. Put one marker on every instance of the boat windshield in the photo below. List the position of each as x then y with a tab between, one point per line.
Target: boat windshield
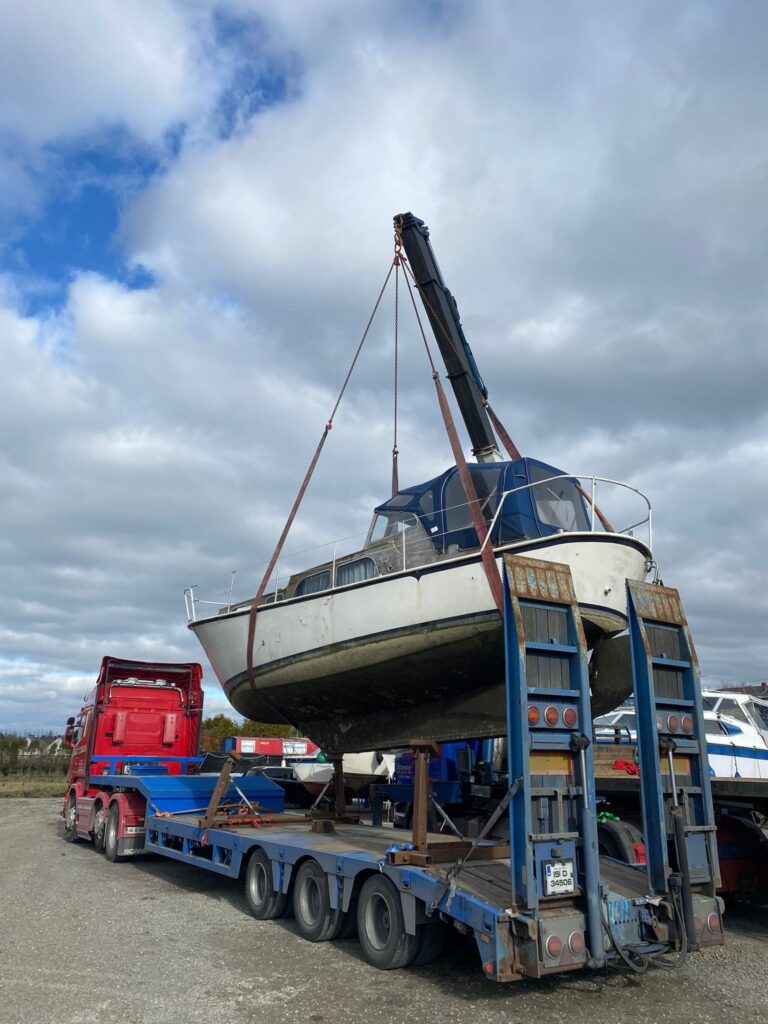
558	502
390	524
760	714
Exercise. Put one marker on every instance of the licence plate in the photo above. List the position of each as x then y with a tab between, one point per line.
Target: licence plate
559	878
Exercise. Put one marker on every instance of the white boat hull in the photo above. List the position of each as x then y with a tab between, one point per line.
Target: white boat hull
360	771
351	667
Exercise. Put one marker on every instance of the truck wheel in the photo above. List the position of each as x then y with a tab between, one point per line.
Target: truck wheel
431	942
99	828
263	901
110	835
381	927
315	919
70	820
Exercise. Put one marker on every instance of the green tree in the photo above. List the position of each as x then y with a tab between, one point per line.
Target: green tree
216	729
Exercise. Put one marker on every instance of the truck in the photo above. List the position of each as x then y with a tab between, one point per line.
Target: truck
530	887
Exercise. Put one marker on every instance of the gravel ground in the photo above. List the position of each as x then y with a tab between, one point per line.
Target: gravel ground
84	940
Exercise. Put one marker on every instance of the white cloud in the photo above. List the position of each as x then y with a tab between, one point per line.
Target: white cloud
68	70
595	192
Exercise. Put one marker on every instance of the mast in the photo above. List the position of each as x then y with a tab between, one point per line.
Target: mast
443	313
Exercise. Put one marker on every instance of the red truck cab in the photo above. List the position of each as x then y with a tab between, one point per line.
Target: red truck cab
137	711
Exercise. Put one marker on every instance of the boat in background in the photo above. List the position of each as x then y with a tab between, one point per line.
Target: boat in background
360	772
736	728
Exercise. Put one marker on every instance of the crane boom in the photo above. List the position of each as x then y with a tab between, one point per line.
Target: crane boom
445	321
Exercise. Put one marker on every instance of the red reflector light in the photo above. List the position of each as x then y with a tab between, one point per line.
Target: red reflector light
687	724
551	716
673	723
570	717
576	943
554	947
533	715
639	851
713	923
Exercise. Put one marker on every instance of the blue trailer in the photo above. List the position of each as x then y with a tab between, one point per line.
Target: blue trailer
530	887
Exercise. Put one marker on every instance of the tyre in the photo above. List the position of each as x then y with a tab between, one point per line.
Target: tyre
349	927
110	835
263	901
381	927
431	941
99	827
315	919
70	822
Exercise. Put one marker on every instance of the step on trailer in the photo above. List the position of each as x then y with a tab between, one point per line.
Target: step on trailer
544	903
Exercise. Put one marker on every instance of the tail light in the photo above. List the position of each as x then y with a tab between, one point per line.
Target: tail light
570	718
551	715
553	946
713	923
673	723
698	926
576	943
533	715
687	724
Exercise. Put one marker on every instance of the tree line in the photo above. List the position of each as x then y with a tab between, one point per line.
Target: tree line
32	753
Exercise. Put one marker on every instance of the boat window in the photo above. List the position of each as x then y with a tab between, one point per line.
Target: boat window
732	708
427	503
390	524
457	512
626	722
400	500
558	503
713	728
315	583
355	572
760	711
708	703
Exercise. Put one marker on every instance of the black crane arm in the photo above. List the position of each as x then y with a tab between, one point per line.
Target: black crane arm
444	318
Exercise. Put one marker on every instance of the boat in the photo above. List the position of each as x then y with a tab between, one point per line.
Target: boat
735	726
402	635
360	772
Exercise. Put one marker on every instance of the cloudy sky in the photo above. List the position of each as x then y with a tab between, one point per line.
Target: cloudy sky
195	218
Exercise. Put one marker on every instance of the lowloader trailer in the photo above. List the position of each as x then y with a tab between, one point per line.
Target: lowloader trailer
539	902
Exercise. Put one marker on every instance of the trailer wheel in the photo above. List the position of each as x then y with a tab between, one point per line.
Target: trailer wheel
263	901
315	918
70	820
110	835
99	827
431	941
381	927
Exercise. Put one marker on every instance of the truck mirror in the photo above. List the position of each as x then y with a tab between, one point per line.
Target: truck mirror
71	721
68	733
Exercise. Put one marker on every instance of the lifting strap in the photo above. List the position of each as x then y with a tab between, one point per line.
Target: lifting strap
395	452
486	550
297	502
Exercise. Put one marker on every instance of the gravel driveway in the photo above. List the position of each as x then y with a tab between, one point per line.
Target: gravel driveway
155	941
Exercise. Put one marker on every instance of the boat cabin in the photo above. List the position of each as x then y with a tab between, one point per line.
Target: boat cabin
544	502
432	521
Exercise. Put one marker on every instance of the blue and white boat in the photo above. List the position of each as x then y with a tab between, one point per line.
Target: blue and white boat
736	727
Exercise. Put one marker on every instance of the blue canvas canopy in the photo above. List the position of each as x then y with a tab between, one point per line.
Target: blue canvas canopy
548	507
